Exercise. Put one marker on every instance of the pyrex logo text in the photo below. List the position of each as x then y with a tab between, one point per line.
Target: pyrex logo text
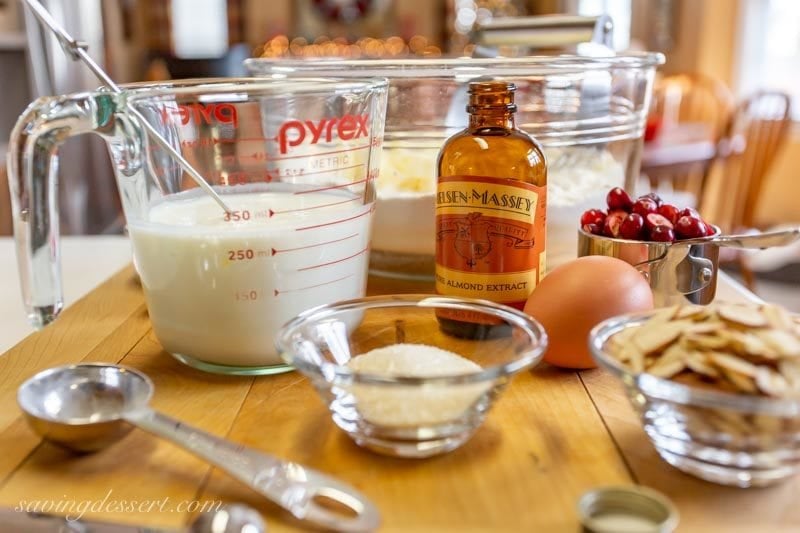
201	113
294	132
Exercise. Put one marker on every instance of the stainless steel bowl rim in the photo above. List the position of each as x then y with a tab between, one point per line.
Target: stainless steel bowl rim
331	371
671	391
695	242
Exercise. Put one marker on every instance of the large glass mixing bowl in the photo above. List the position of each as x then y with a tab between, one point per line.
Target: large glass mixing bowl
588	114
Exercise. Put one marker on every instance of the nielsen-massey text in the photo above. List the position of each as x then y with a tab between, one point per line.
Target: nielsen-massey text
478	197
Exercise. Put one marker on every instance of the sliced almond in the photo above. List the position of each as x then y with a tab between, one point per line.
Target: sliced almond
733	364
744	343
777	317
673	352
666	368
626	353
744	316
790	369
771	383
699	328
784	343
636	361
742	382
697	362
724	347
690	311
662	315
652	339
705	342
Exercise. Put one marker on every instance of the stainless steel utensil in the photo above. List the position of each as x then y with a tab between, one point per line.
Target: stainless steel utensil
684	270
86	407
234	518
77	50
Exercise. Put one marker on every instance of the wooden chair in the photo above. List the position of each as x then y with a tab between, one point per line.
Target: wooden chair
755	133
695	98
696	101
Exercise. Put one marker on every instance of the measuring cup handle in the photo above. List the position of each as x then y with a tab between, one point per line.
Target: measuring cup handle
292	486
33	179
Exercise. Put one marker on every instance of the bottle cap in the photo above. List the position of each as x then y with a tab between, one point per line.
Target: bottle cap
622	509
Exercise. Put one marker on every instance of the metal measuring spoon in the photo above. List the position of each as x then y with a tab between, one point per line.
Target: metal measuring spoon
86	407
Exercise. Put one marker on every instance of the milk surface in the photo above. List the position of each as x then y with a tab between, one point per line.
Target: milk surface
218	287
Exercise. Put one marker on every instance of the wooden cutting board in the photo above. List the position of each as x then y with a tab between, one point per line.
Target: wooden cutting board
551	436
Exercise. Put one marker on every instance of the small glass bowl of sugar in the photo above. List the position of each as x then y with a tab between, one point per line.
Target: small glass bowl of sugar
411	375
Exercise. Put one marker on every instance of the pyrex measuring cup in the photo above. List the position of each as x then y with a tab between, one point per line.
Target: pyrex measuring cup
293	159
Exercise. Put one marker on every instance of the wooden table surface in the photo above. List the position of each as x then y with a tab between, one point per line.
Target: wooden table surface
551	436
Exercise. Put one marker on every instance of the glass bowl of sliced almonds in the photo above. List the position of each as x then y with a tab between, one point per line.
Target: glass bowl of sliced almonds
717	387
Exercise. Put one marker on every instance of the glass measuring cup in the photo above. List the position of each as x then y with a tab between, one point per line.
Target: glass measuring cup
295	160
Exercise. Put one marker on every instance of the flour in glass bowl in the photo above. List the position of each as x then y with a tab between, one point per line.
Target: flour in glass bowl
578	178
414	405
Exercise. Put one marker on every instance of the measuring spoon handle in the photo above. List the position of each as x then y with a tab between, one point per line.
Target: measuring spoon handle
292	486
751	240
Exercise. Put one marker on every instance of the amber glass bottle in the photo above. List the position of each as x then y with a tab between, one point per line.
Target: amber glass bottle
490	209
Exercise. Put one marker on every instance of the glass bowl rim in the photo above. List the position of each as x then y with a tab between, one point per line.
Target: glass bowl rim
671	391
454	65
330	371
306	85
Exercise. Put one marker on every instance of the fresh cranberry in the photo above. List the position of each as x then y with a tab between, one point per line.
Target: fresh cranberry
617	198
612	223
669	211
654	220
710	230
645	206
662	234
593	216
653	196
594	229
631	227
690	227
688	212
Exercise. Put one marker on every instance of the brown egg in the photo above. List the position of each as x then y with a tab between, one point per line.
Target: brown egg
576	296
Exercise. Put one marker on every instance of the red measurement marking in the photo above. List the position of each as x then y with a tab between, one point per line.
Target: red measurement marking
272	213
277	292
200	143
331	187
342	260
367	212
258	156
274	251
306	156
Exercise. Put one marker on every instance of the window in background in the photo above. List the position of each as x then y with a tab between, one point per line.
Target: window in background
620	12
769	54
199	28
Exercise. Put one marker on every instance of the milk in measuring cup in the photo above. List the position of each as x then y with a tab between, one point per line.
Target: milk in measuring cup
219	286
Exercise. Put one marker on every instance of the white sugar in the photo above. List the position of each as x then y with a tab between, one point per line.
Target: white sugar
414	405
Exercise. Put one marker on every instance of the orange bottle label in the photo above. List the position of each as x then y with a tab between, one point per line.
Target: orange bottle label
490	238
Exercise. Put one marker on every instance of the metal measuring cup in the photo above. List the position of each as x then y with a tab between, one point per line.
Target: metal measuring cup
680	271
86	407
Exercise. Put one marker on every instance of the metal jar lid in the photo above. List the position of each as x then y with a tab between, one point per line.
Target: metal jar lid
623	509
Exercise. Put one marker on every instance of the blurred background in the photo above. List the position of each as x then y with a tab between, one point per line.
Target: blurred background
731	82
